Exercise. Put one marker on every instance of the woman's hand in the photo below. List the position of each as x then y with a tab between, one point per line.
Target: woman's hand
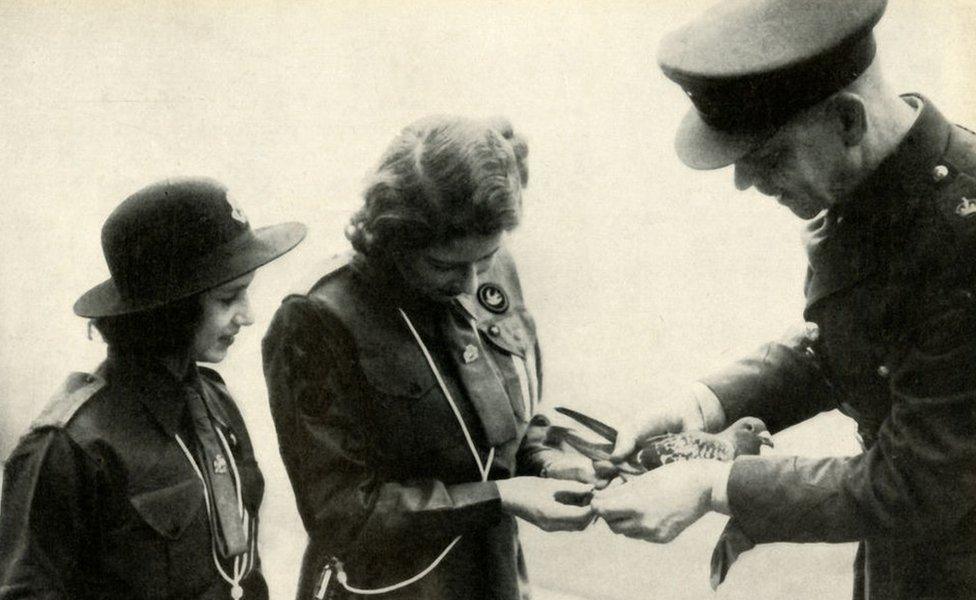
570	466
550	504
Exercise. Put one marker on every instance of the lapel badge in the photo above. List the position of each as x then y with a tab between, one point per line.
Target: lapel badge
966	207
470	353
220	465
493	298
236	212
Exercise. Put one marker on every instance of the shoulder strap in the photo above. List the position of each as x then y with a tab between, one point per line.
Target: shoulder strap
77	389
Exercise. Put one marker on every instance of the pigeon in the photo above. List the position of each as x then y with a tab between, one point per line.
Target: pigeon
745	436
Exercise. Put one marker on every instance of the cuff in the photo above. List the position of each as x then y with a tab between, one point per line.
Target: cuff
712	413
720	488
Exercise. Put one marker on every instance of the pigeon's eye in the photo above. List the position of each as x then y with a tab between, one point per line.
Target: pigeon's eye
748	426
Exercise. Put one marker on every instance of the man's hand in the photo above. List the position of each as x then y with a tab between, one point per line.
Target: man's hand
660	504
550	504
693	407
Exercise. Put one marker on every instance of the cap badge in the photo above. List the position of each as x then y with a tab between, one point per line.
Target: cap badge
493	298
470	353
236	212
220	464
966	207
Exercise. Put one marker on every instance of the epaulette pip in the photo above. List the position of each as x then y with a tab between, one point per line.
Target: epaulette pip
956	197
77	389
321	270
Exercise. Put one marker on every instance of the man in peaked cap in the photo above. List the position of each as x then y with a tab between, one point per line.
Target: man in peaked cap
789	93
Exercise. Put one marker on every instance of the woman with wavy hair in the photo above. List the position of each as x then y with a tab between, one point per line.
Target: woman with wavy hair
403	384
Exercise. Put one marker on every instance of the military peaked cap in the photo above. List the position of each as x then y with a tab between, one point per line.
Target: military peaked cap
748	66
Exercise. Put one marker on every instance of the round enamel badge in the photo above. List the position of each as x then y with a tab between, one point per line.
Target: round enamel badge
492	297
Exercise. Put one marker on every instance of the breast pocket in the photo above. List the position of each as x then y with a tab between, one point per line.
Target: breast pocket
164	549
513	337
410	411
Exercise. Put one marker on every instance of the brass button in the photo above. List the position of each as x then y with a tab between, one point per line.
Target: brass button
494	330
883	371
940	172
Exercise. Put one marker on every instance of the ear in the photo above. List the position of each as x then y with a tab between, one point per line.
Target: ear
850	116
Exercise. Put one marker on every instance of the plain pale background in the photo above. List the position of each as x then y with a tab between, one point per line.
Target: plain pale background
640	272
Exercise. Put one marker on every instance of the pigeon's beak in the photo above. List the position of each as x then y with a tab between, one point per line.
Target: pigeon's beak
766	439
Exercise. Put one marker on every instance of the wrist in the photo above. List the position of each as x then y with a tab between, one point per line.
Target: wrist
710	411
719	485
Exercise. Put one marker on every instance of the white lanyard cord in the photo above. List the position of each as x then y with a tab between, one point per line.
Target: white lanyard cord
483	469
244	563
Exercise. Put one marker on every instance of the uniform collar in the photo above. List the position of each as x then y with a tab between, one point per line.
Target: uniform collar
161	393
384	281
855	239
906	174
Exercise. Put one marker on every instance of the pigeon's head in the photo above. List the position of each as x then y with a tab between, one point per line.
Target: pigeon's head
749	434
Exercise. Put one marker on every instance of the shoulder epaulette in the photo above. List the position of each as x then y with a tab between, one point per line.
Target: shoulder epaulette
77	389
320	271
955	181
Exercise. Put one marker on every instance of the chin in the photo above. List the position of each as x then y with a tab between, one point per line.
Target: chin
212	356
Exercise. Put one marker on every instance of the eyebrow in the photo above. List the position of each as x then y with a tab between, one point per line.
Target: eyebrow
437	262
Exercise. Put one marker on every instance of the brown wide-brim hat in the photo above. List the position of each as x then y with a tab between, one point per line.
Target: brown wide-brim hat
178	238
749	66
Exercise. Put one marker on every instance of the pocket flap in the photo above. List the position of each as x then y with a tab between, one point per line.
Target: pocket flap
508	333
170	510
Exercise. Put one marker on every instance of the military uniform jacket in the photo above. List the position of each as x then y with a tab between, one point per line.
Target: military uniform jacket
381	470
891	286
99	500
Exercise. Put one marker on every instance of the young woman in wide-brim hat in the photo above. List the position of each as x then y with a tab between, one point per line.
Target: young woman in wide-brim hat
139	480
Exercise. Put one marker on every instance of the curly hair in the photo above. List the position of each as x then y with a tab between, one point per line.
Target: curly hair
442	178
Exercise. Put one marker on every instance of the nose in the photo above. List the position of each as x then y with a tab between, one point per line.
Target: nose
244	316
743	177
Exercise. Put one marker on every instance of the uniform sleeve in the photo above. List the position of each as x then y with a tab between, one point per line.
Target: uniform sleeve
326	443
782	383
49	490
918	481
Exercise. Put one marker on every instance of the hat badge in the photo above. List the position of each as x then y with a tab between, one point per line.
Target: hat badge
966	207
236	212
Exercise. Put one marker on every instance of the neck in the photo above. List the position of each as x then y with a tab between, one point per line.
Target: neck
891	122
889	118
179	366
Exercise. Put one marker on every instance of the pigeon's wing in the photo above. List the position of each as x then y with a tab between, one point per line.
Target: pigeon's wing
602	429
556	435
692	445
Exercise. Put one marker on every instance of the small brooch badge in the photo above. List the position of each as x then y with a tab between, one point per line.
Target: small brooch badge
220	464
236	212
470	354
966	207
493	298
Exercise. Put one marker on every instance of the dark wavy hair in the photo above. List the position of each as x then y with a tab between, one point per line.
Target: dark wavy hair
442	178
165	331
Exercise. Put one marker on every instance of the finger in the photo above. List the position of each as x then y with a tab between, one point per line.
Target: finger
627	527
573	498
569	486
609	508
600	484
624	446
604	469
